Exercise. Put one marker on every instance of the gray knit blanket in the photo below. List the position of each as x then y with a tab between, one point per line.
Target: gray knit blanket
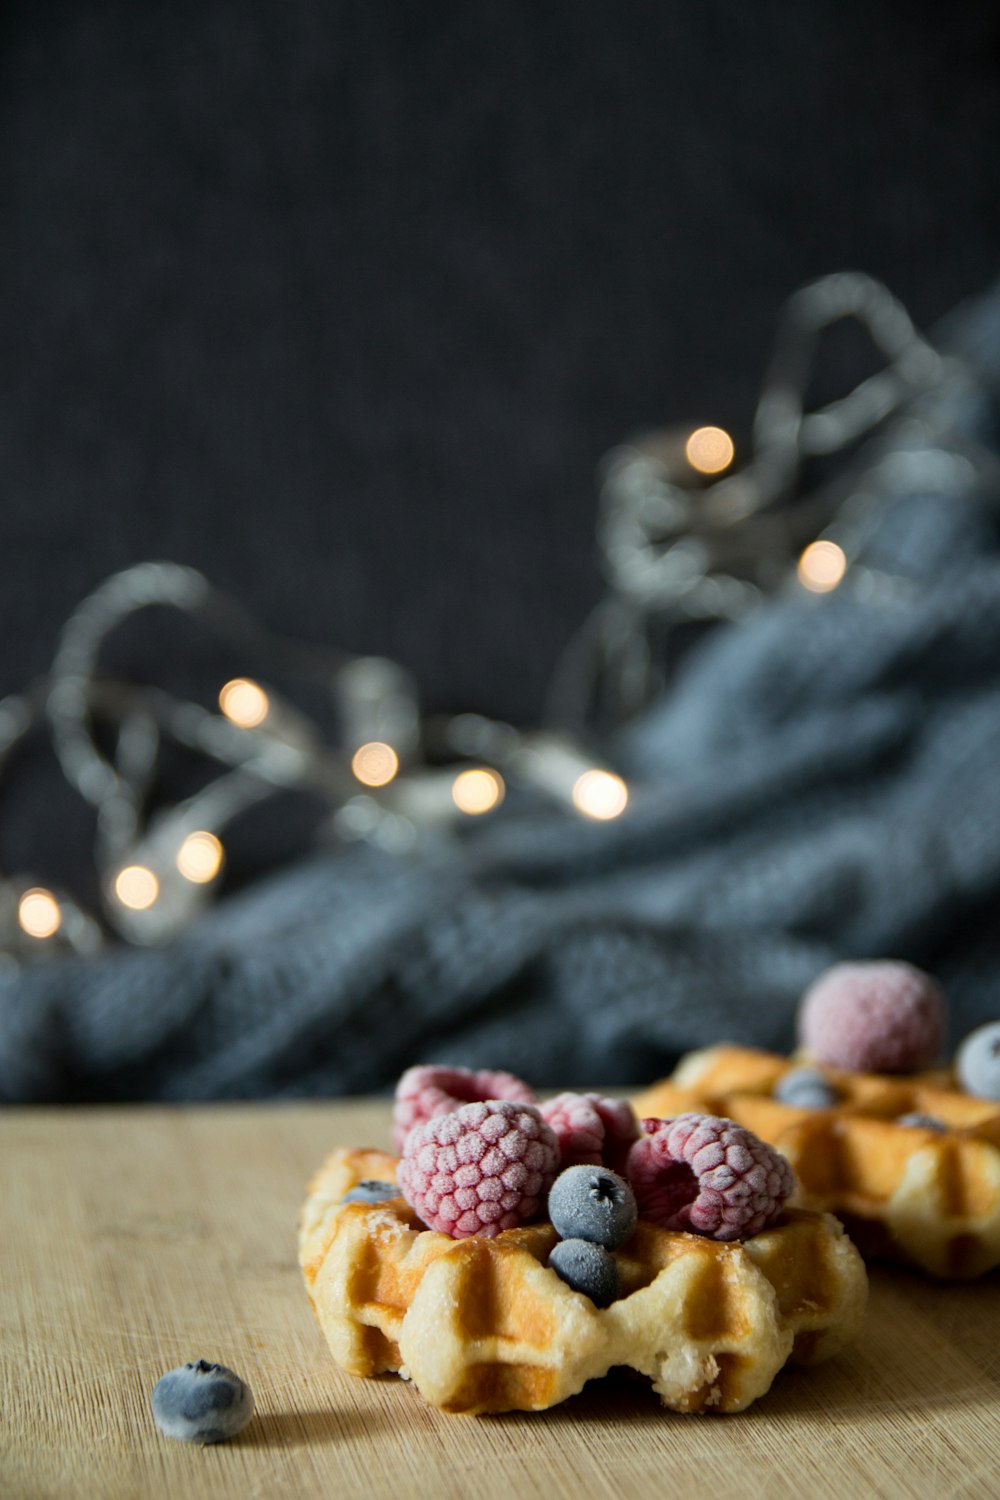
821	782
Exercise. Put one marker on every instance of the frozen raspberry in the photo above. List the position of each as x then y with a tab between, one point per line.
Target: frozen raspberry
707	1175
479	1169
591	1131
426	1091
879	1017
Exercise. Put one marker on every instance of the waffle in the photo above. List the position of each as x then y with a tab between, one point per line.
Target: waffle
483	1325
930	1198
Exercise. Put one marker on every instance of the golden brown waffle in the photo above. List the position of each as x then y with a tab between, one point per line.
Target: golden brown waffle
484	1325
904	1192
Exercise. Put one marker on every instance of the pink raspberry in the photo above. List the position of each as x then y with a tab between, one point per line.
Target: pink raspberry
591	1131
880	1017
707	1175
479	1169
426	1091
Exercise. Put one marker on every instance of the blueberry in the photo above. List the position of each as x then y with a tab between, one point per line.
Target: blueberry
805	1088
370	1190
591	1203
201	1403
587	1268
978	1061
925	1122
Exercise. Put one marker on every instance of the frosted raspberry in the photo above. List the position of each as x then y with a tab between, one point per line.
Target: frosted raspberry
426	1091
591	1131
707	1175
879	1017
479	1169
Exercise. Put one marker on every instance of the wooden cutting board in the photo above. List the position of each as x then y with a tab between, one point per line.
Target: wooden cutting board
133	1239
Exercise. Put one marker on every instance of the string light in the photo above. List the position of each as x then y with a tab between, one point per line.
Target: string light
709	450
136	887
244	702
822	567
676	549
200	856
600	795
477	791
375	764
39	913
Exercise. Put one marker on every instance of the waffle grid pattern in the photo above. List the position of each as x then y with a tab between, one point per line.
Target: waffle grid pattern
484	1325
927	1197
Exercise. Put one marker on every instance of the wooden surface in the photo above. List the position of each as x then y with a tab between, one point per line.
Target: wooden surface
132	1240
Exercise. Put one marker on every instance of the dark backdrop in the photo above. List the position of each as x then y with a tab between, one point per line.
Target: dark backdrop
342	303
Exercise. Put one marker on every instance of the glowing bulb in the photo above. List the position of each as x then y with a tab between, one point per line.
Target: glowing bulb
600	794
244	702
709	450
39	913
822	566
136	887
375	764
199	858
477	791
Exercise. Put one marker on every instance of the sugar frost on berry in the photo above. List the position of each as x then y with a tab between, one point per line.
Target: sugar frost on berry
482	1168
425	1091
881	1016
591	1130
708	1175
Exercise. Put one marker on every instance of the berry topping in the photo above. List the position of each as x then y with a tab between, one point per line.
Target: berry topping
593	1203
201	1403
806	1088
707	1175
426	1091
370	1190
978	1061
591	1130
880	1017
482	1168
925	1122
587	1268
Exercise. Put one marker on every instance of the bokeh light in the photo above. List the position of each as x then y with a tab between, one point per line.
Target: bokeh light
709	450
39	913
822	566
375	764
600	795
244	702
477	791
136	887
199	858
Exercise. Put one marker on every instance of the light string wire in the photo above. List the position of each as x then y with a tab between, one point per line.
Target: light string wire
157	870
679	546
681	539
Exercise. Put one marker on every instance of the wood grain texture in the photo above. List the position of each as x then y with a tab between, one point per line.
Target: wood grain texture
135	1239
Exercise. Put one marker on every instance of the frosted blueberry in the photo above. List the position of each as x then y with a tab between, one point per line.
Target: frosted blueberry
370	1190
587	1268
806	1088
593	1203
977	1061
925	1122
201	1403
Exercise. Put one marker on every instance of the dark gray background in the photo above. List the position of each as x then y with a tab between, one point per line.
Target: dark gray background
342	303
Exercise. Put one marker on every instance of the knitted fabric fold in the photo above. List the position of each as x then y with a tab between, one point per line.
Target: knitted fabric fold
820	783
